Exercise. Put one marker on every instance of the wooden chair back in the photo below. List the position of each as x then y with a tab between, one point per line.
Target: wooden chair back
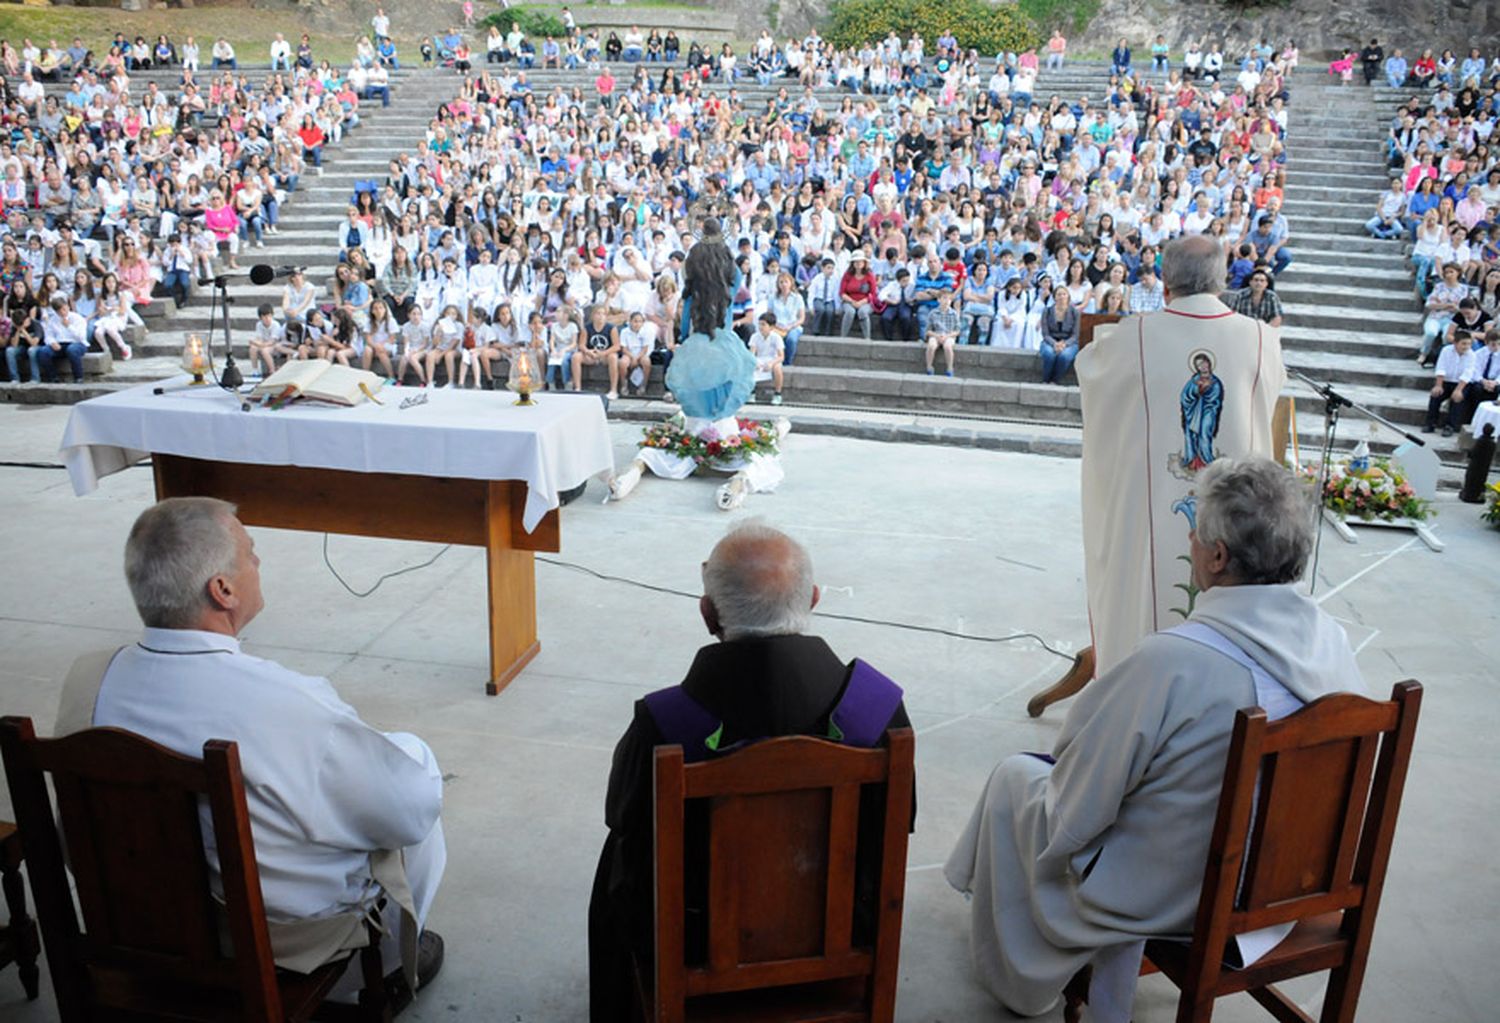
1303	834
1283	426
1090	322
783	839
129	813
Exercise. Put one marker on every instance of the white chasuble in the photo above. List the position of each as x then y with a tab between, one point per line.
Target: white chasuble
1164	394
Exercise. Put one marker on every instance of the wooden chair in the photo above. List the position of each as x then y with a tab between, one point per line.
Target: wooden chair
783	836
151	941
1303	834
18	938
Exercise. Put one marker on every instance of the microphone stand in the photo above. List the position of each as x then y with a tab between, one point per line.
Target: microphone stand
1333	404
231	379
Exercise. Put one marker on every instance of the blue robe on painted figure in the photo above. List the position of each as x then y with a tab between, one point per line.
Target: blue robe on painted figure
1202	402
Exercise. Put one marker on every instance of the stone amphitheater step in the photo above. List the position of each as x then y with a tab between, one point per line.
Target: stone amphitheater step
1336	269
1295	292
1349	259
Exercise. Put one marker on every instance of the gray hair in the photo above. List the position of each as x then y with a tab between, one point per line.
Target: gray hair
174	549
1262	513
760	581
1193	265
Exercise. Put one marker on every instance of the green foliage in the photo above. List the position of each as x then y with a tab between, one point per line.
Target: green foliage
976	24
1072	16
535	23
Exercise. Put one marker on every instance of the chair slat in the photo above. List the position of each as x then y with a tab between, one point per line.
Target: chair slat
784	825
1331	778
131	814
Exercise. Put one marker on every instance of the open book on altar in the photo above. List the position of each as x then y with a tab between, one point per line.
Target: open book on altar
319	380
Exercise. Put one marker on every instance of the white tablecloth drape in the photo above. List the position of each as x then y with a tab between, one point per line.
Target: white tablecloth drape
1488	412
554	445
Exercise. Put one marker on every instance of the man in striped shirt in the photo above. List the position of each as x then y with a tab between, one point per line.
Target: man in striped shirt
1146	295
1257	301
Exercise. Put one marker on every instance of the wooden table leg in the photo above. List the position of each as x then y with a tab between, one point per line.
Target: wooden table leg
1070	684
20	939
512	581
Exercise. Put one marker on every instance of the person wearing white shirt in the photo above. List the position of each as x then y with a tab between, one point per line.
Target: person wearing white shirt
769	349
1199	217
342	815
64	333
281	53
637	340
823	298
1455	371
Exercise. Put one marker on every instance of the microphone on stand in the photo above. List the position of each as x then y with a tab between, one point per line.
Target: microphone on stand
263	273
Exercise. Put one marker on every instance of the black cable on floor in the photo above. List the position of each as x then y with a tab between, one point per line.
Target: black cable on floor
934	630
388	575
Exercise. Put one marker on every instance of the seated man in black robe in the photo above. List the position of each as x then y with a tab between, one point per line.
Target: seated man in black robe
763	678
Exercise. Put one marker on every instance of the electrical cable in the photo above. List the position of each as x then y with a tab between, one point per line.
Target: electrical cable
388	575
935	630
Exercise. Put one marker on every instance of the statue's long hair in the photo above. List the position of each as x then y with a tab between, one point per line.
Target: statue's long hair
707	278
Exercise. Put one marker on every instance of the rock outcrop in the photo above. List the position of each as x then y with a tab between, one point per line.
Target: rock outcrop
1319	27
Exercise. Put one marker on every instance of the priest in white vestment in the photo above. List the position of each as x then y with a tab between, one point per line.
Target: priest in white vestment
1078	861
341	814
1164	394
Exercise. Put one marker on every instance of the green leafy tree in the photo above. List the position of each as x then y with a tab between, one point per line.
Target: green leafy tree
976	24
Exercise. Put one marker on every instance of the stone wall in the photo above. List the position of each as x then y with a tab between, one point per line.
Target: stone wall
1318	26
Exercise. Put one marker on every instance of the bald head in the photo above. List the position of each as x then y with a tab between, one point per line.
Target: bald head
1193	265
757	582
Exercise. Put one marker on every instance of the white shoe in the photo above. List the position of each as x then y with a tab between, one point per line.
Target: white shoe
613	395
732	494
125	353
623	483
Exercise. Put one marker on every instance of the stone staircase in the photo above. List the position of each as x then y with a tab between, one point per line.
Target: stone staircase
1352	317
307	236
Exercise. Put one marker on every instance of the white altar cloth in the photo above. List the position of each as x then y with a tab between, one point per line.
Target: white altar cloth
554	445
1487	412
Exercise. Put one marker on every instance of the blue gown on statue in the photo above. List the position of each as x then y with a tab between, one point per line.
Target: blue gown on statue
712	376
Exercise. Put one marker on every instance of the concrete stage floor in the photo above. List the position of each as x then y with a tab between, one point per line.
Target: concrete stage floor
978	542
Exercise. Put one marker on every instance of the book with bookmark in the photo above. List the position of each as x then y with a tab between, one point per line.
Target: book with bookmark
318	380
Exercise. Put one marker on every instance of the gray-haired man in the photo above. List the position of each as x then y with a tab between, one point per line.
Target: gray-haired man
762	678
341	813
1127	800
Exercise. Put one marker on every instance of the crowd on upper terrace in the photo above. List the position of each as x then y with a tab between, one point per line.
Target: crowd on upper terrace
1444	200
857	188
115	195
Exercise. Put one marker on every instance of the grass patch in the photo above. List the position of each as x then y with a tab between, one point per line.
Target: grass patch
250	31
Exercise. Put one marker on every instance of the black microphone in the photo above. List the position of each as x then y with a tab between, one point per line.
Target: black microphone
263	273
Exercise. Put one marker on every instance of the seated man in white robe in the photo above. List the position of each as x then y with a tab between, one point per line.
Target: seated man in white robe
1076	858
342	815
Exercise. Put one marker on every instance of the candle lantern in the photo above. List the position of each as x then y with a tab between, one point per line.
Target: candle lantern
525	377
193	359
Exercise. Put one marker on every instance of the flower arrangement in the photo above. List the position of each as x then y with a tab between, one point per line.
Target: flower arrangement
1492	510
710	447
1379	492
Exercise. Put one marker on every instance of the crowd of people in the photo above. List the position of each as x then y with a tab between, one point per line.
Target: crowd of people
115	196
915	193
1443	200
937	198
